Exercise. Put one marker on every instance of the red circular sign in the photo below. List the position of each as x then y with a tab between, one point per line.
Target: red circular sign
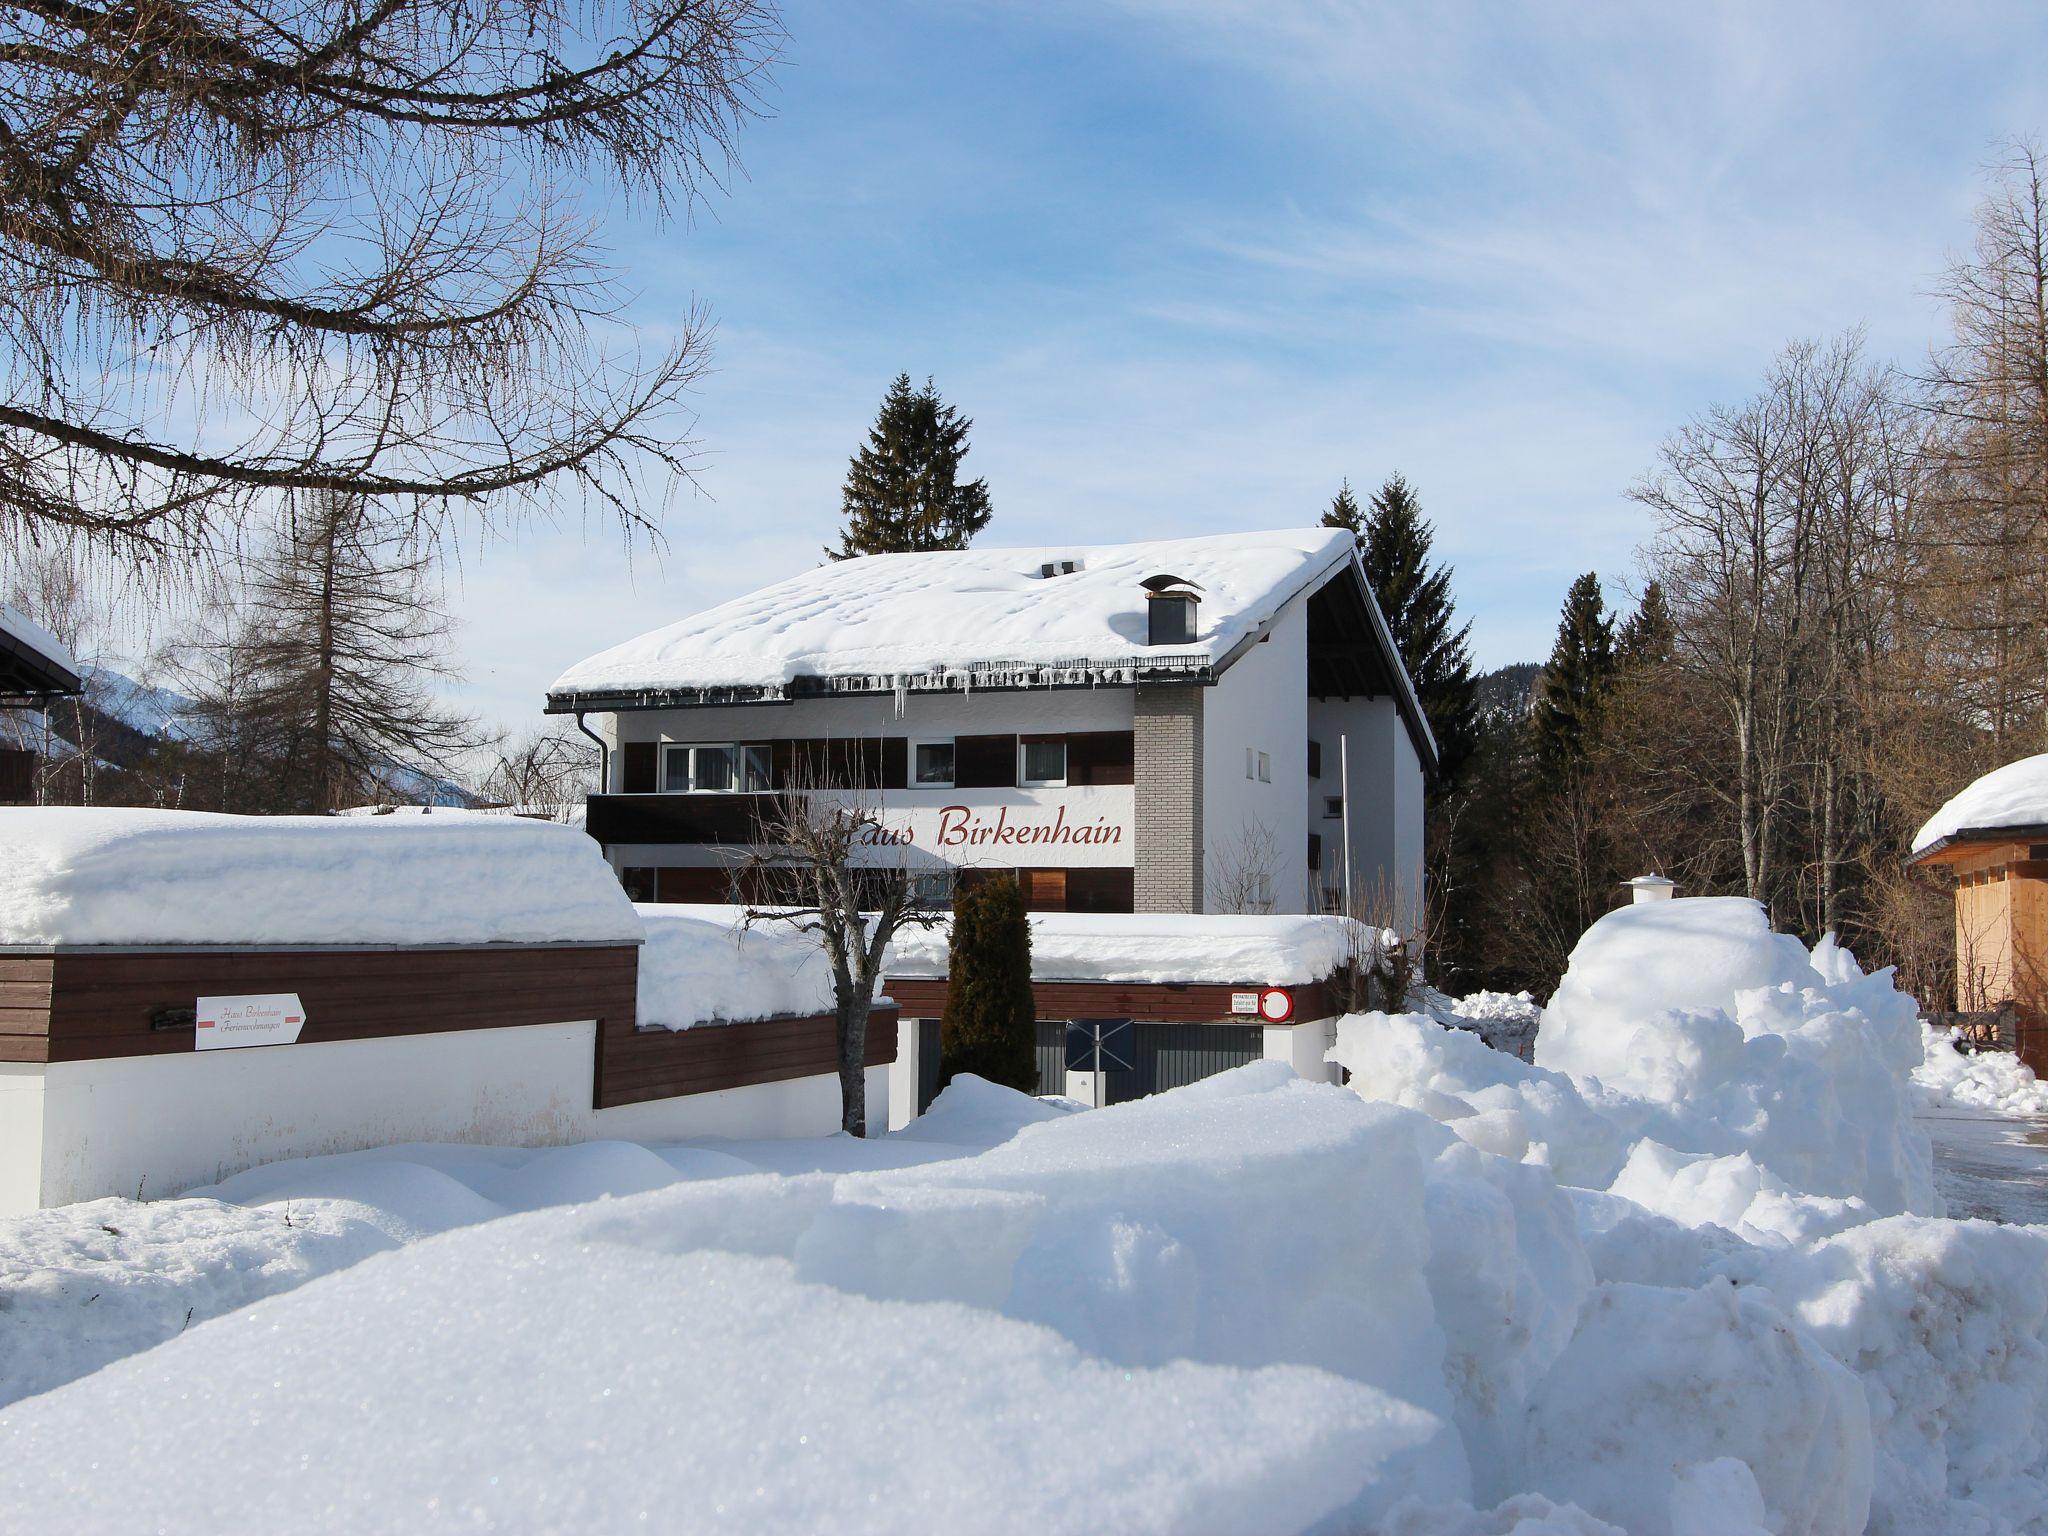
1276	1005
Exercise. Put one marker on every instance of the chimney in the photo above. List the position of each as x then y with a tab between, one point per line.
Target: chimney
1170	610
1649	888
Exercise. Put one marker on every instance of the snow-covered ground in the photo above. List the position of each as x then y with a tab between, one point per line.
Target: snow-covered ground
1697	1285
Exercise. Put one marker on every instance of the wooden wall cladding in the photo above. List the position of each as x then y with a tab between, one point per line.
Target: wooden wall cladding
85	1005
1155	1002
634	1065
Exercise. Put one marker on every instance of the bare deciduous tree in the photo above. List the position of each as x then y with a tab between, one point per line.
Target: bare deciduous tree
825	863
545	772
251	247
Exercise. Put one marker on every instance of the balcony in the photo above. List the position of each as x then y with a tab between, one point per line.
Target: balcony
725	819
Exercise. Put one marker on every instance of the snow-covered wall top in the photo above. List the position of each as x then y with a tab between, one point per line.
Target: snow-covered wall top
31	634
908	614
92	876
1159	947
2013	796
701	965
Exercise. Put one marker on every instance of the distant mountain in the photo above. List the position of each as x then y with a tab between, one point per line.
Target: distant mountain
1509	692
139	706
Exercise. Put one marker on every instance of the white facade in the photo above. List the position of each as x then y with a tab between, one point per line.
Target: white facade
161	1124
1256	822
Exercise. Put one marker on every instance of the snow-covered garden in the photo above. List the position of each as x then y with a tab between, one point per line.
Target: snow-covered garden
1686	1274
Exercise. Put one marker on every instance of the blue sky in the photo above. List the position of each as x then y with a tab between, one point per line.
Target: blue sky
1189	265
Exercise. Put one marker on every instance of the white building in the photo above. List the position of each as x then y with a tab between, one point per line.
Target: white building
1174	726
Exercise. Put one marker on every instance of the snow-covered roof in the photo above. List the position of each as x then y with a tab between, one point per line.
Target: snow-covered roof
1218	948
32	660
701	964
904	615
71	875
2008	798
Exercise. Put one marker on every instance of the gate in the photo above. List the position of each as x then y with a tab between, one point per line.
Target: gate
1173	1055
1163	1056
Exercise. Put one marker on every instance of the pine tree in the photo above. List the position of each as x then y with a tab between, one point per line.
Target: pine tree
903	491
990	1026
1581	665
1393	544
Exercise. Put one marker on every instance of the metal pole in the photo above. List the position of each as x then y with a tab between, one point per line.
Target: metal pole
1344	790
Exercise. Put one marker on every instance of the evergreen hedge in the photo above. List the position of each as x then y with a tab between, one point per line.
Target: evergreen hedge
990	1026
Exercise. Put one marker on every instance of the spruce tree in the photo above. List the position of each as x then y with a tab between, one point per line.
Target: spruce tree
1574	680
990	1026
1344	513
903	490
1648	636
1394	541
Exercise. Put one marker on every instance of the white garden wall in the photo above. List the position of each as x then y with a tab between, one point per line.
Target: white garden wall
80	1130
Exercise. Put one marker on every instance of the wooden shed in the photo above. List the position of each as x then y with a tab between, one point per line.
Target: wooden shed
1993	837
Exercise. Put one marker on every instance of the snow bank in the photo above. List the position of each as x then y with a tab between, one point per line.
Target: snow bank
2013	796
1995	1080
1161	946
909	613
92	876
703	964
1096	1340
1255	1303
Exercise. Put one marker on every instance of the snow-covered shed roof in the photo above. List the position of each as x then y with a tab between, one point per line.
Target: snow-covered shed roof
1071	615
702	964
1207	948
90	876
34	664
2005	805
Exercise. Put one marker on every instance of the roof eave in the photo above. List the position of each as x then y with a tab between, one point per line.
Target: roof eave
1947	849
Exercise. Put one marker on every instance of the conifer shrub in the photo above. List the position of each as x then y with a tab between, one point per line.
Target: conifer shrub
990	1026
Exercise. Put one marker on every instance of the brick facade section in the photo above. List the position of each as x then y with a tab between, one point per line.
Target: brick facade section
1167	770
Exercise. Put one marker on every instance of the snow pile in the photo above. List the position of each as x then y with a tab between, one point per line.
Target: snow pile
891	615
82	1285
703	964
1162	946
1507	1021
2013	796
93	876
1736	1114
1995	1080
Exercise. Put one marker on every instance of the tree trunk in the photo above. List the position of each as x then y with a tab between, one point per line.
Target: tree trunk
854	1007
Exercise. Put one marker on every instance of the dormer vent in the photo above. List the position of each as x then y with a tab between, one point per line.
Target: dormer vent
1058	568
1170	610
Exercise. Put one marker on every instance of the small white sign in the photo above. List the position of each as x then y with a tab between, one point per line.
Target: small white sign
1244	1002
262	1018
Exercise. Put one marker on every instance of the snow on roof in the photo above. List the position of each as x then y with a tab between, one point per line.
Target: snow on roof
884	615
44	647
702	965
92	876
1159	947
2013	796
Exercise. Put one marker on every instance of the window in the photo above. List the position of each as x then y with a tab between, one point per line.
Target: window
1265	768
1315	851
1333	806
715	768
931	887
1315	759
932	765
1250	763
1044	761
